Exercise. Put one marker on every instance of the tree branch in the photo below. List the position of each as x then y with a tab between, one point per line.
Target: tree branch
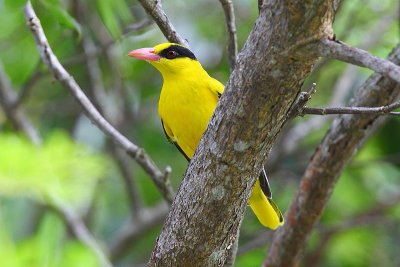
133	229
375	216
160	178
27	87
80	58
341	89
301	101
15	114
341	51
384	110
154	9
22	122
232	48
99	95
299	108
346	135
259	240
203	222
79	229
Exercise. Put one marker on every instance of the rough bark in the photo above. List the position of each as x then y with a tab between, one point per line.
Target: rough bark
204	219
345	136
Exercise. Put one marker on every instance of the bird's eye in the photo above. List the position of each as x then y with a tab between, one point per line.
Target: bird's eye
171	54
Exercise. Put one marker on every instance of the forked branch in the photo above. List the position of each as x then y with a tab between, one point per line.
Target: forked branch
159	177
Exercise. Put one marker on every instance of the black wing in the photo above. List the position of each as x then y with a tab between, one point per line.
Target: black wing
175	143
265	184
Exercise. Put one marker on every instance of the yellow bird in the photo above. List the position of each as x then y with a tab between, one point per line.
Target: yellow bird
187	101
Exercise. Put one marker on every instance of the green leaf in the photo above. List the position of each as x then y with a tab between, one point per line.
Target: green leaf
48	247
60	14
113	13
14	5
109	19
59	169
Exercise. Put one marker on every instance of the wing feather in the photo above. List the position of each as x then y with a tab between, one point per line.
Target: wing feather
169	136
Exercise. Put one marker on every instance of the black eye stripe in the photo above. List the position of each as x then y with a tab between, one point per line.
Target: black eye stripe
179	50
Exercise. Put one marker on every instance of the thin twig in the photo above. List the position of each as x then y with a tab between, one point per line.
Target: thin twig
299	109
160	178
77	59
259	240
342	88
135	202
154	9
374	216
17	116
341	51
79	229
14	114
95	75
227	5
385	110
27	87
134	228
301	101
99	95
137	26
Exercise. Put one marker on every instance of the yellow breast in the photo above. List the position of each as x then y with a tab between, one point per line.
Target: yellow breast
185	107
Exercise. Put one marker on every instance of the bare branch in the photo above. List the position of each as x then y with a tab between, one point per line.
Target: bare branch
384	110
341	90
136	203
301	101
160	178
227	5
133	229
346	135
359	57
20	121
99	95
375	216
137	26
79	229
259	240
299	108
105	46
154	9
15	114
27	87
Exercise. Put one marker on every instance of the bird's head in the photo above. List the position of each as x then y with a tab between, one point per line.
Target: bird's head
168	58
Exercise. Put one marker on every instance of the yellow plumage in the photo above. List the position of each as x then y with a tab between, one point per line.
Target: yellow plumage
187	101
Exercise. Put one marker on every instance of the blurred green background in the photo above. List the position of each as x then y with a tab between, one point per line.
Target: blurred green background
66	163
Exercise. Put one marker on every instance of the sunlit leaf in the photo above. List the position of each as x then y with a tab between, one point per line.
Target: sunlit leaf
48	247
59	169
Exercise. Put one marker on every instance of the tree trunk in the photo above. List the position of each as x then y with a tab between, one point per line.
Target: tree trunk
344	138
204	219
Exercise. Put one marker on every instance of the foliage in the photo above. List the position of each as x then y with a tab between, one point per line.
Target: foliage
59	169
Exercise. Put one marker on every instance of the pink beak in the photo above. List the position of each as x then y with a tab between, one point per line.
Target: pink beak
144	54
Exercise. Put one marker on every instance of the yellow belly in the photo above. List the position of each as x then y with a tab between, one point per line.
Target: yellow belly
185	109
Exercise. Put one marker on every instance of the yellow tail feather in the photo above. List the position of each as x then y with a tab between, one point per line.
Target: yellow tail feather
265	209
